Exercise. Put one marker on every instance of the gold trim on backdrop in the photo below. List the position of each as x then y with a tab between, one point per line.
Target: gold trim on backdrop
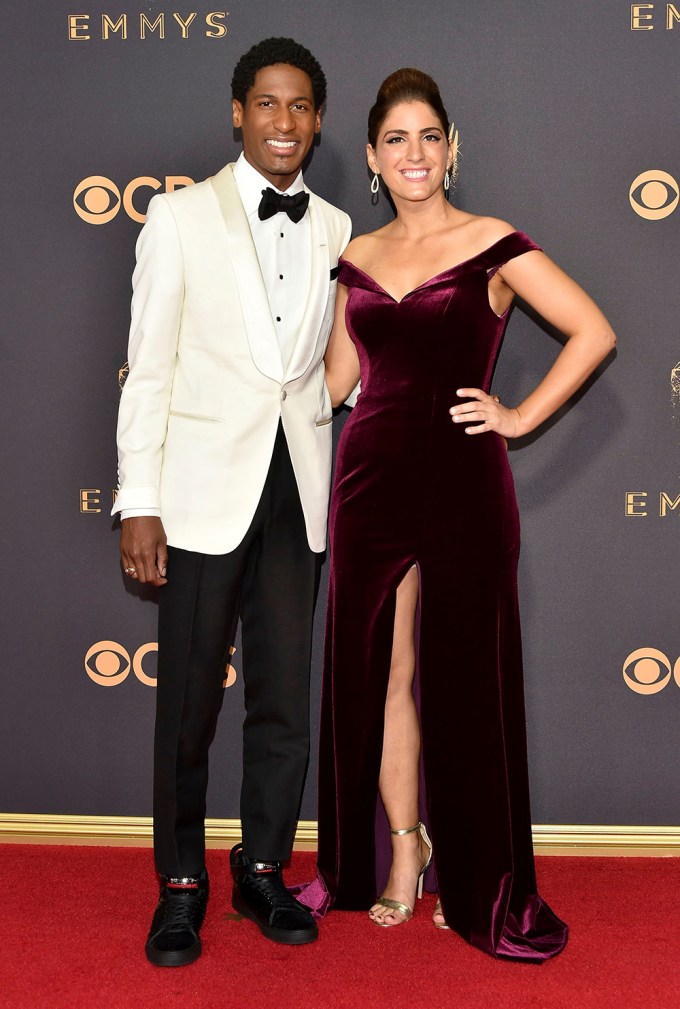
595	839
549	839
133	831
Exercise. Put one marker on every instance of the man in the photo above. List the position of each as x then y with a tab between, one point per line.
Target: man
224	439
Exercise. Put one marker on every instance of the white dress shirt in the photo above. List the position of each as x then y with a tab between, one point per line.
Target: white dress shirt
284	251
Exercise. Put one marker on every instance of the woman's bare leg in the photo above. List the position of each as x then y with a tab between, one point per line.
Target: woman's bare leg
401	751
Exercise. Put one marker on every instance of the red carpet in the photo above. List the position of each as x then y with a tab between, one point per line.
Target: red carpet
75	922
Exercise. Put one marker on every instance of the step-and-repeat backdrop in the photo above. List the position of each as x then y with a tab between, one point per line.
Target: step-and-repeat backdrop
568	123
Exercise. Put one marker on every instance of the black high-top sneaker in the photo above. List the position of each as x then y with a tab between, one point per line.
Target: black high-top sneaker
260	895
173	938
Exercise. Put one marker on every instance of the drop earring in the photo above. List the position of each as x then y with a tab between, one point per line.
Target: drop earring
375	183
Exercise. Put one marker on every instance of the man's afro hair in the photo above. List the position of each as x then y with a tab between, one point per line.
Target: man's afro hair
268	53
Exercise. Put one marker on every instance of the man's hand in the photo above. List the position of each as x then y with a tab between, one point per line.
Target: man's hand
143	549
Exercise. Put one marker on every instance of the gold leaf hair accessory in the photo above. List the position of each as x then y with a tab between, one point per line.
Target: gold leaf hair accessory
453	142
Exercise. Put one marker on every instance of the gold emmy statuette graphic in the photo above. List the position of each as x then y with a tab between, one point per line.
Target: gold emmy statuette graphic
122	376
654	195
675	392
675	380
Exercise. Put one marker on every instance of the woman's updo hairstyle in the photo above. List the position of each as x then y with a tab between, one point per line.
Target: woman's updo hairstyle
405	85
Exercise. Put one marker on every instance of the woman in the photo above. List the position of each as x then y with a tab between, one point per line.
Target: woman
424	547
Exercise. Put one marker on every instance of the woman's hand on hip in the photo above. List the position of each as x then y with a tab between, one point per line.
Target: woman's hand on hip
486	413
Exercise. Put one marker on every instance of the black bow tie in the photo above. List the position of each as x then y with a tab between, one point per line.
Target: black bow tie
274	203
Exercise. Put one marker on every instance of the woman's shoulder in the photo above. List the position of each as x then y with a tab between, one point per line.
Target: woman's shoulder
360	249
485	231
493	239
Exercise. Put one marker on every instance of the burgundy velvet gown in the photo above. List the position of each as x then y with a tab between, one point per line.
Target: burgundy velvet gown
412	488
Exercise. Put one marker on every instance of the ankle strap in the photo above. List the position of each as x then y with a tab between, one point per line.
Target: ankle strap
407	830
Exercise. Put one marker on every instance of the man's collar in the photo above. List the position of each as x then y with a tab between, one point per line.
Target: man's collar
250	185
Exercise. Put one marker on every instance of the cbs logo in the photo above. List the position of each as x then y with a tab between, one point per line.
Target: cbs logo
654	195
108	663
647	671
97	199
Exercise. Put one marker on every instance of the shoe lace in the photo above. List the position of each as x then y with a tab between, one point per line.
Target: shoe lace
178	911
274	890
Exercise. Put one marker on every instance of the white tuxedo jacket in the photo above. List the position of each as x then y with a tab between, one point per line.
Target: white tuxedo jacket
200	409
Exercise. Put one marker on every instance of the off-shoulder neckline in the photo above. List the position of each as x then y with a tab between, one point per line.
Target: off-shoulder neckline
437	276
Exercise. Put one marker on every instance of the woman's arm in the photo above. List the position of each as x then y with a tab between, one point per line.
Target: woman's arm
341	360
565	305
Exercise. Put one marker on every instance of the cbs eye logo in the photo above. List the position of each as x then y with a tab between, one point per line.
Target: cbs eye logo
108	663
647	671
97	199
654	195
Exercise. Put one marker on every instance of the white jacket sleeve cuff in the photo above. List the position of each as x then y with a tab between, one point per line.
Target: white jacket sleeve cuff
136	513
143	500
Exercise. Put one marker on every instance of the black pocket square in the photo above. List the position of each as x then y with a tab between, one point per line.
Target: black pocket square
334	272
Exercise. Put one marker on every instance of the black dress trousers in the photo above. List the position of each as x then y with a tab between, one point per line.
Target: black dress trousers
271	581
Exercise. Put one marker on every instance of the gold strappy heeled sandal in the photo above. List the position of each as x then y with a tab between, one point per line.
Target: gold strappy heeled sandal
438	911
397	905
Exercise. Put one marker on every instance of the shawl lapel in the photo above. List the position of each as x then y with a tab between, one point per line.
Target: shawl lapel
264	345
317	300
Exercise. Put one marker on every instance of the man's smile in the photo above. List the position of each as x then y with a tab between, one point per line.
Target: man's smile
282	145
